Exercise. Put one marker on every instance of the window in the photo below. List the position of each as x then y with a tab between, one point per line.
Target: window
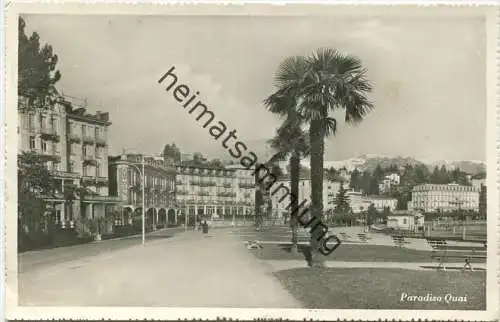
83	130
32	142
98	152
86	171
98	170
71	166
44	146
405	221
43	121
97	132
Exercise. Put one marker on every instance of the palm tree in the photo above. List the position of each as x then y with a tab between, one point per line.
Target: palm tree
292	143
321	84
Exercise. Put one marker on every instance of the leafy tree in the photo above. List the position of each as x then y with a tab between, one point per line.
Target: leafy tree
37	74
34	182
216	163
199	159
171	152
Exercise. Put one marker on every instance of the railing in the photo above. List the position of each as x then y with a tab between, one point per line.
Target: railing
74	137
203	194
88	157
100	141
194	183
88	139
227	185
246	185
103	198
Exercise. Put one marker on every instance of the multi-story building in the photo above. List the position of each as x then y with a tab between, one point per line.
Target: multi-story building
214	192
444	198
74	145
281	194
126	175
357	201
388	182
382	202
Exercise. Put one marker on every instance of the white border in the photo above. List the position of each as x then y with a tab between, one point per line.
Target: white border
13	311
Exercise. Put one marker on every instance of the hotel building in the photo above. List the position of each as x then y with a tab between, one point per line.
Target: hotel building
125	173
73	145
214	192
280	200
444	197
381	202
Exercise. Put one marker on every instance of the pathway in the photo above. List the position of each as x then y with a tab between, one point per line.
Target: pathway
188	270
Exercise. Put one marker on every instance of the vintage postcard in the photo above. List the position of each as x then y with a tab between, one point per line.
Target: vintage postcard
300	161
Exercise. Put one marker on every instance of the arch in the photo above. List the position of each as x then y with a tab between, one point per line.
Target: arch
162	217
127	215
150	220
171	216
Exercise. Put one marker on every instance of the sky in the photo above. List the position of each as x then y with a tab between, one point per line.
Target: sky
428	76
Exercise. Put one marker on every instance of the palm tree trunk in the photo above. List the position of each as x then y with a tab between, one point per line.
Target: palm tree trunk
317	149
294	185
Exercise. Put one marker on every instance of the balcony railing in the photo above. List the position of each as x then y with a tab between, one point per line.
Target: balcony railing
50	155
88	157
182	192
89	179
49	134
87	139
194	183
179	183
100	141
103	198
74	137
203	193
246	185
227	185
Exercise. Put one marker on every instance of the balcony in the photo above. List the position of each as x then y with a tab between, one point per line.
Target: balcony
182	192
89	160
102	181
64	174
49	134
246	185
194	183
54	156
97	198
179	183
100	141
87	139
207	184
89	180
74	137
203	193
227	185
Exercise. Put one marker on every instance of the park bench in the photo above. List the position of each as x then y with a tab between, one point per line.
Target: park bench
399	240
443	253
363	237
254	244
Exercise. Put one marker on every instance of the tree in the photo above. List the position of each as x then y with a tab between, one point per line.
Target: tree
322	83
171	152
342	205
37	74
199	159
34	182
372	214
355	182
290	142
436	176
216	163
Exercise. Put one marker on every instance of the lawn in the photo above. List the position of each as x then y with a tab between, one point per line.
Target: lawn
357	253
370	288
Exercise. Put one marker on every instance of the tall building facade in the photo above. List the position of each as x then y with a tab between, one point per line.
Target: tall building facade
214	192
444	197
281	194
73	145
125	172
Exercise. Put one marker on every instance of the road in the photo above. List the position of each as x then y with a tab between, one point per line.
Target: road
35	260
190	269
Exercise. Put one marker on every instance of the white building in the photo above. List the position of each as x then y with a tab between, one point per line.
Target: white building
357	201
405	220
444	197
382	202
281	194
389	180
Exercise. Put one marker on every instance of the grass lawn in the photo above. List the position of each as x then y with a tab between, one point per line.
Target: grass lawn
374	288
363	253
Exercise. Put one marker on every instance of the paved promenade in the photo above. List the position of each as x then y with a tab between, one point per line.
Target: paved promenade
187	270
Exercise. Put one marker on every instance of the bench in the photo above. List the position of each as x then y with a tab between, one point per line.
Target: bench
363	237
254	244
442	253
399	240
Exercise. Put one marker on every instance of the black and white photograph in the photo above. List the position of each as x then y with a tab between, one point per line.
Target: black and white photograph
297	161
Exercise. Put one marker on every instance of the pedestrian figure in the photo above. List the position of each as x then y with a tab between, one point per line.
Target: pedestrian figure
205	226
